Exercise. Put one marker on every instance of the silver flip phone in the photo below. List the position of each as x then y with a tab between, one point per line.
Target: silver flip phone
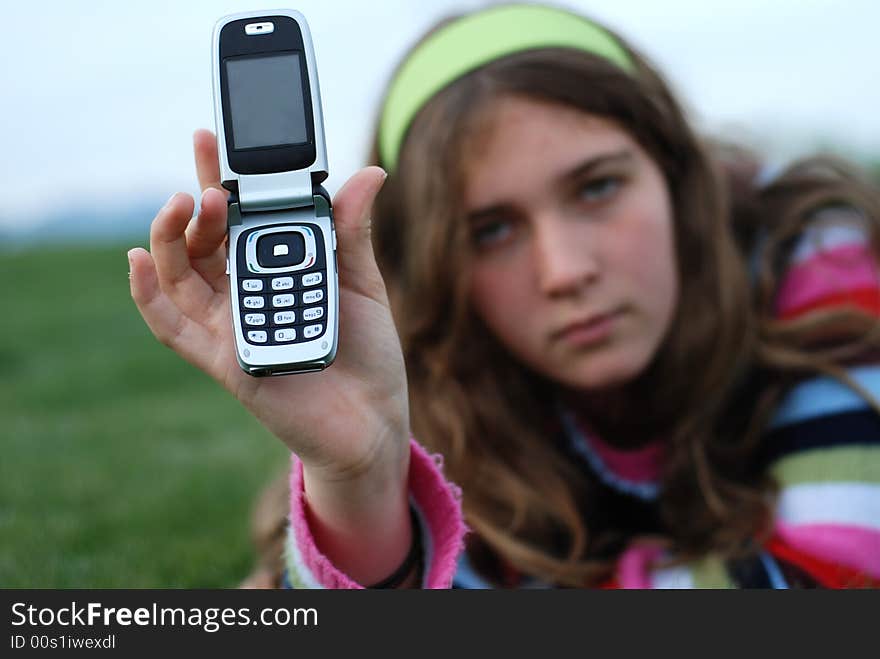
281	241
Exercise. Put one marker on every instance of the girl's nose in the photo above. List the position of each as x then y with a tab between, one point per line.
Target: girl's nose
564	255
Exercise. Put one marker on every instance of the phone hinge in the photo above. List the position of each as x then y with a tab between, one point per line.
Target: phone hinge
269	192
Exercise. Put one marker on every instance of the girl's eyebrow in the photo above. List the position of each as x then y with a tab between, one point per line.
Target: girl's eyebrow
615	157
577	172
488	212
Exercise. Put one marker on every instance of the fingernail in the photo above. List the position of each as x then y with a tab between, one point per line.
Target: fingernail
170	199
129	262
381	183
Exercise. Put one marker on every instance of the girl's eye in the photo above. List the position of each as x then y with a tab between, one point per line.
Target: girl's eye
600	188
491	232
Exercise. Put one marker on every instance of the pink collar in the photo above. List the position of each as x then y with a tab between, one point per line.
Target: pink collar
636	471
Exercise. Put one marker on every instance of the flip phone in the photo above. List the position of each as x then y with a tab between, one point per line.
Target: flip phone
281	257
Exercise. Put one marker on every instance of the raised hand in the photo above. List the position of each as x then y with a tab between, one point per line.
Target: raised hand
342	422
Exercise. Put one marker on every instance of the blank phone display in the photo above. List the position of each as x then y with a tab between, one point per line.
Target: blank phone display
266	100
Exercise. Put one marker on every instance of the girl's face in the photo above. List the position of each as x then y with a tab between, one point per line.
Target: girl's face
573	255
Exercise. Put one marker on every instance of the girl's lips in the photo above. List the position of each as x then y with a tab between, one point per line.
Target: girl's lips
589	331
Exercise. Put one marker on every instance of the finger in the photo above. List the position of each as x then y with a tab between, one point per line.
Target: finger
352	208
165	320
207	161
185	286
205	237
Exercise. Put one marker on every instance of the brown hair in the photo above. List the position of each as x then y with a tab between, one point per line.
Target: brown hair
712	385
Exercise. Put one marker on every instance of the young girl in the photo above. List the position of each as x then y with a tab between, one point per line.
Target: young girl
643	365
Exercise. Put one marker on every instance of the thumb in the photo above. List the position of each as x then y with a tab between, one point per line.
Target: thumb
351	211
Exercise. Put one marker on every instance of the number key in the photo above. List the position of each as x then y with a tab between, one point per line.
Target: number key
282	283
310	297
312	279
313	314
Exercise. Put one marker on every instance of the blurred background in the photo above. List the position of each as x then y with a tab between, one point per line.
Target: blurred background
121	465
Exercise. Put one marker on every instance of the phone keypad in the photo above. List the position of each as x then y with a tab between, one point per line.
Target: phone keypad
285	317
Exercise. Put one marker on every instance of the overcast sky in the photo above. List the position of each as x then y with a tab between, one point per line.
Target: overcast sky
100	98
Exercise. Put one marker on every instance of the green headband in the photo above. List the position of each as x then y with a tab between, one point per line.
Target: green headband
474	40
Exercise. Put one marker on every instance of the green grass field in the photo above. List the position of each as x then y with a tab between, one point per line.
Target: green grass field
122	466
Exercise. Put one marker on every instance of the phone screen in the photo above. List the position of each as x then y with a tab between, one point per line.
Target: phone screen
266	100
